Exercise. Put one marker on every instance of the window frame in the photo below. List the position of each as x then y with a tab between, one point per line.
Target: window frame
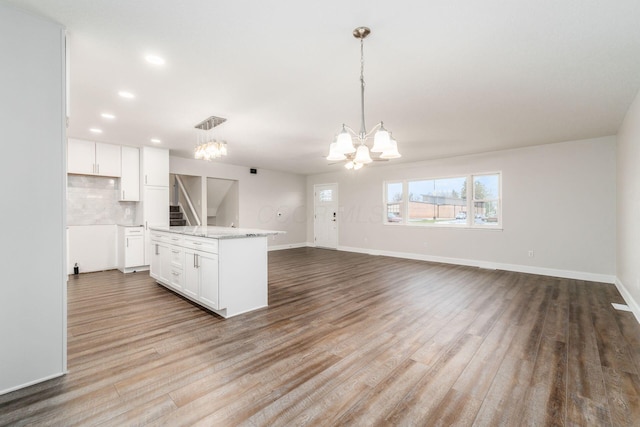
470	223
403	208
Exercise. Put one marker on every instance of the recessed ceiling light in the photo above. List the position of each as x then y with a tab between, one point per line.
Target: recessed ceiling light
155	60
125	94
95	130
155	140
108	116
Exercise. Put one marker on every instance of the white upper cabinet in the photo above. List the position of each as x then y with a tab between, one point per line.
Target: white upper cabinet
93	158
130	178
155	166
107	159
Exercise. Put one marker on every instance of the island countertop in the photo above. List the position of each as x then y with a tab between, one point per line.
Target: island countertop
213	232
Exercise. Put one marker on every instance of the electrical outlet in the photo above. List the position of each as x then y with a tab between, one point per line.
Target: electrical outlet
531	253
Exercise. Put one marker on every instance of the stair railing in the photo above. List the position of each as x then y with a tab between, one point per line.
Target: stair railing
184	192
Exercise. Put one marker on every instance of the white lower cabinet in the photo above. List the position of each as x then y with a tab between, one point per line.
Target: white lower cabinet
208	268
131	248
201	277
160	261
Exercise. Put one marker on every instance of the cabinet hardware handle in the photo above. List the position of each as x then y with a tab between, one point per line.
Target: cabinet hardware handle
145	226
145	179
157	253
127	242
197	243
123	194
176	252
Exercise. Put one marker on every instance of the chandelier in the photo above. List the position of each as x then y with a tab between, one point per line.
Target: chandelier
342	148
207	147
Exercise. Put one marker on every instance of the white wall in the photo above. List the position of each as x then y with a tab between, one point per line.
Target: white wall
558	200
32	168
628	208
228	207
261	198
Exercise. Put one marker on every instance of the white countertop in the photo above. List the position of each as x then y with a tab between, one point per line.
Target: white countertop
218	232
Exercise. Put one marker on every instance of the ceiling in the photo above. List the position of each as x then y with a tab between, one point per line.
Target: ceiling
447	77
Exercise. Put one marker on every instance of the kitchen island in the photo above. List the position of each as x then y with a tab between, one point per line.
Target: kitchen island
223	269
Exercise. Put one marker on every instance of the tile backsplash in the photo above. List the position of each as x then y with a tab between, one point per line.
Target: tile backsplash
93	200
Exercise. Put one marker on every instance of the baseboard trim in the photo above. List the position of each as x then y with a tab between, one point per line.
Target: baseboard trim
287	246
567	274
30	383
626	295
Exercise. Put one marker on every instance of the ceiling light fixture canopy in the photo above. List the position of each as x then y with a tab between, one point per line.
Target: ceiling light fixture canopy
342	148
207	146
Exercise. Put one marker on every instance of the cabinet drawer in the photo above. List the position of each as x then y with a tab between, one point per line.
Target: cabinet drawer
177	257
134	231
176	278
175	239
204	245
159	236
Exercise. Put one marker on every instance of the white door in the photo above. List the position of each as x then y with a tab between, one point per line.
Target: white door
325	215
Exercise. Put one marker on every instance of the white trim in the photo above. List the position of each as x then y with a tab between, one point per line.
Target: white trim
626	295
30	383
288	246
567	274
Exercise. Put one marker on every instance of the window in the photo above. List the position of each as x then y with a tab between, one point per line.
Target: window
325	195
464	201
434	201
393	200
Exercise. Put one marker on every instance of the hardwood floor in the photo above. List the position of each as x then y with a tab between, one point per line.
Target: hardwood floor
348	339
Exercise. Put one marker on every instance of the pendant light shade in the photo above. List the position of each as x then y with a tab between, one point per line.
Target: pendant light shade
392	152
334	154
362	155
344	143
381	140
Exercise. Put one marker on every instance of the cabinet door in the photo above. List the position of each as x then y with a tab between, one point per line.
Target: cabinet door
155	212
155	260
208	266
155	166
81	157
134	251
191	274
107	159
130	174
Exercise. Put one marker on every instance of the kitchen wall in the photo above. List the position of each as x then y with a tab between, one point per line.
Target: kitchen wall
269	200
628	208
559	200
93	200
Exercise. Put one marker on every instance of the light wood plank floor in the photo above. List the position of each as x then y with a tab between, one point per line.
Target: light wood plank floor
348	339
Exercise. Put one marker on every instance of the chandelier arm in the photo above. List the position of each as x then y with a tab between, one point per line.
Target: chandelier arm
375	128
353	132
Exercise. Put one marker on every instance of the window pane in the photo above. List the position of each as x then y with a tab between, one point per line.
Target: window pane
438	201
394	202
486	187
325	195
486	200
